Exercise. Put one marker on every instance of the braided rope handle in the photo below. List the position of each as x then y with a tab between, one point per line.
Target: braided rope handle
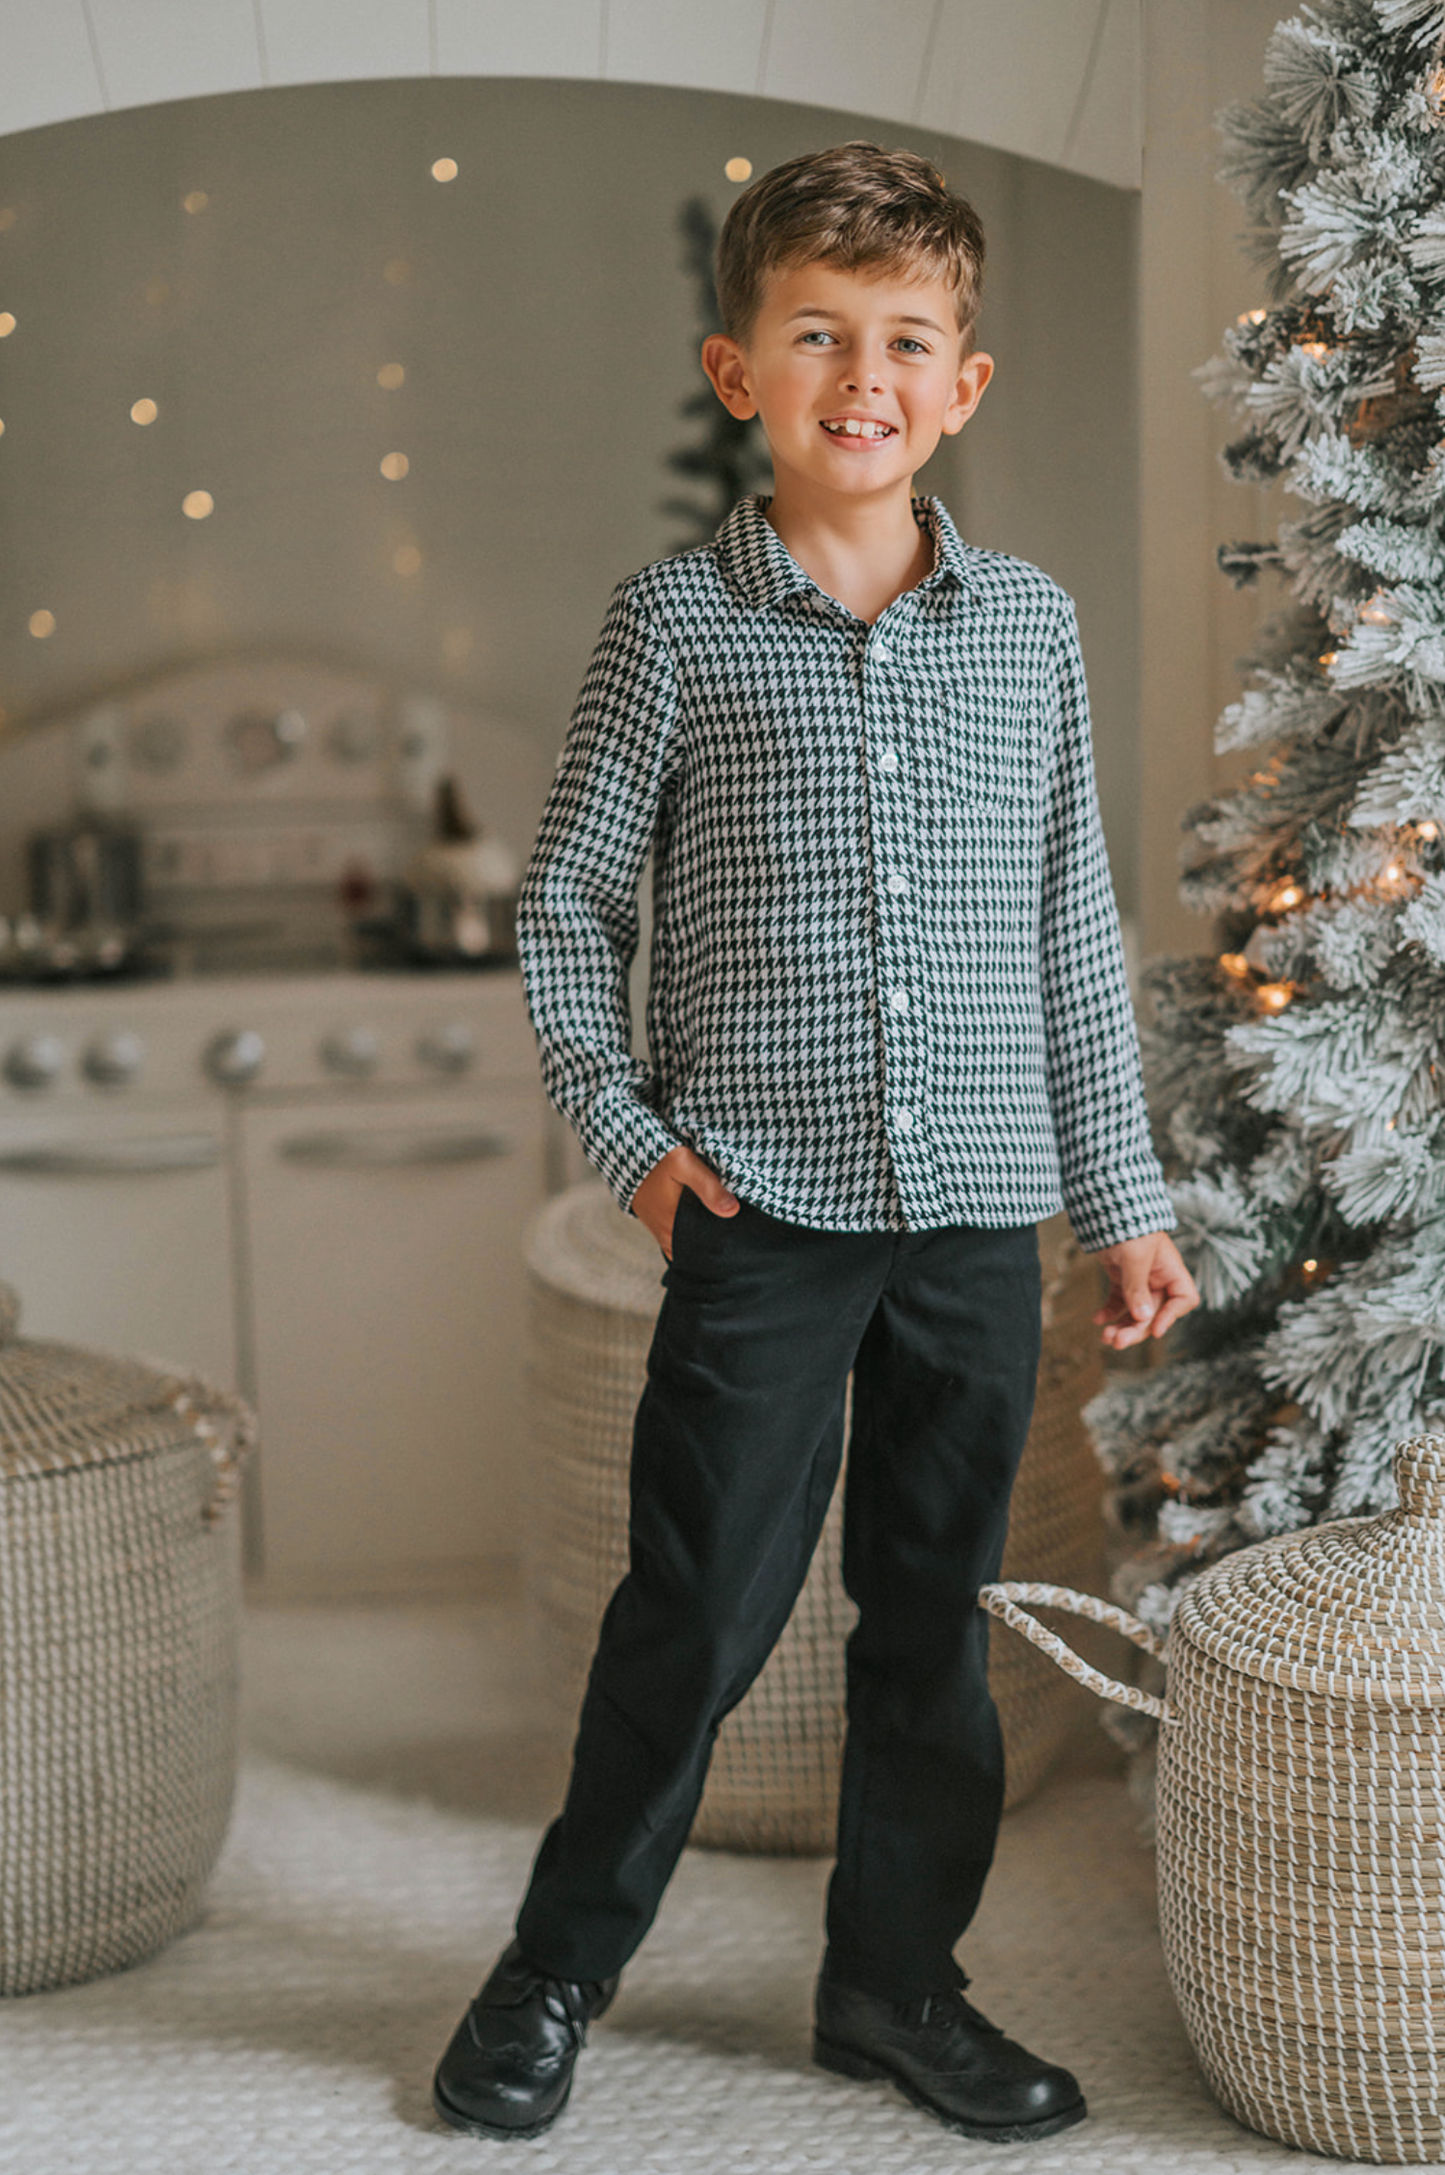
1003	1602
202	1403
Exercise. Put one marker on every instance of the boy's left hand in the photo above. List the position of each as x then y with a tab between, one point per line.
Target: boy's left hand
1149	1288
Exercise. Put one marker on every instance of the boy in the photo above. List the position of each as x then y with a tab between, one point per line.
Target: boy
889	1030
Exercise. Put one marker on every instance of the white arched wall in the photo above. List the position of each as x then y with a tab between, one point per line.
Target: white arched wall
1055	80
1122	91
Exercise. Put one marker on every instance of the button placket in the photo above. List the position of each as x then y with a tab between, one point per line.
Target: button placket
895	860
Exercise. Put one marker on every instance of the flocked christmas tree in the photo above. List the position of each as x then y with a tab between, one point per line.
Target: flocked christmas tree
1298	1074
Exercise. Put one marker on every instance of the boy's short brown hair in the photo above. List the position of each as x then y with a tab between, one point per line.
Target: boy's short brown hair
856	206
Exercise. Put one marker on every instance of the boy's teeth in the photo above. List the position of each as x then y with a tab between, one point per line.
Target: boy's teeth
854	429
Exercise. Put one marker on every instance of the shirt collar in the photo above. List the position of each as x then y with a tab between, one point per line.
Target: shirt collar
756	562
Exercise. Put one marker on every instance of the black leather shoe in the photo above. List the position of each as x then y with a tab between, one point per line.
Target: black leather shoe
508	2070
948	2059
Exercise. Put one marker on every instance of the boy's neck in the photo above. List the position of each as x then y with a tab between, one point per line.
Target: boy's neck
863	551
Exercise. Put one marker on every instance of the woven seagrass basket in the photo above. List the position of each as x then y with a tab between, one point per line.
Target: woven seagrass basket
773	1784
118	1626
1302	1819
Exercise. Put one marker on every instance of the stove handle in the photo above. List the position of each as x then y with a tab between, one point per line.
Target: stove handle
391	1151
112	1158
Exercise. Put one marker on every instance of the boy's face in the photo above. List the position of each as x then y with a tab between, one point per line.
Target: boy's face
856	376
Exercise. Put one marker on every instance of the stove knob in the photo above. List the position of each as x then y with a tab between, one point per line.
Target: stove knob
236	1057
35	1061
112	1060
354	1052
448	1049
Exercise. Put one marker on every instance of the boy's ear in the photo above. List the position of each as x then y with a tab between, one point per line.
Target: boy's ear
727	369
974	373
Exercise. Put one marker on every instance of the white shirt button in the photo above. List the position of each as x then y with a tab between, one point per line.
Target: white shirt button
888	762
898	1000
903	1121
882	653
897	884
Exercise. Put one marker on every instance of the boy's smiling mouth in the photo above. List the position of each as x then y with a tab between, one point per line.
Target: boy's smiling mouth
858	426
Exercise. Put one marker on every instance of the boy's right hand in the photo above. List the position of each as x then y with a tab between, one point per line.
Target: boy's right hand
680	1171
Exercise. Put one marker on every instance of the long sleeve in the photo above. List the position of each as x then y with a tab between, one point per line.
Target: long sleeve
577	920
1112	1185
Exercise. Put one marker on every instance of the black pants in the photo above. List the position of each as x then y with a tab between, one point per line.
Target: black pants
735	1455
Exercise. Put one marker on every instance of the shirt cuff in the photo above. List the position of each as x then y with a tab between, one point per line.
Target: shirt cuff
632	1142
1129	1206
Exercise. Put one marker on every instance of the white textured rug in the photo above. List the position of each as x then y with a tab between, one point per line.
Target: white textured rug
294	2031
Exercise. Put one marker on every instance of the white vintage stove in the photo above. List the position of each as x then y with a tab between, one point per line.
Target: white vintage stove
310	1184
314	1187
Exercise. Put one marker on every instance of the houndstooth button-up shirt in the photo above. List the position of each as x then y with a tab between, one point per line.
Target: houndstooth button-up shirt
887	989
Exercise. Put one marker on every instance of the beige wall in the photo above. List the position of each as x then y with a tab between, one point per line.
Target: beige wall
1050	465
1194	279
548	334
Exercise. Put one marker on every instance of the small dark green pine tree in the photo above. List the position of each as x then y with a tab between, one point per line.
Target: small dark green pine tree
725	459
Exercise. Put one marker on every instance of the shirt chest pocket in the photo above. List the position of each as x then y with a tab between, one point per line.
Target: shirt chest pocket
983	753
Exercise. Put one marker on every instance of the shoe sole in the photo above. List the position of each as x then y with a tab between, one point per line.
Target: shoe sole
844	2062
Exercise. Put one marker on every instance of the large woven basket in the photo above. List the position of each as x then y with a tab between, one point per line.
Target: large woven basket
1302	1819
118	1625
773	1783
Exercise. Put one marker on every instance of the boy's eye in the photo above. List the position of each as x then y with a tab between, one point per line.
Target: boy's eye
911	346
818	336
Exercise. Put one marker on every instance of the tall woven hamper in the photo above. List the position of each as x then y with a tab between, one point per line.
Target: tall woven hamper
118	1634
773	1784
1302	1818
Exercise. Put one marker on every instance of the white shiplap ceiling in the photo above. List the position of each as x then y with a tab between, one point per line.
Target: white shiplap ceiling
1056	80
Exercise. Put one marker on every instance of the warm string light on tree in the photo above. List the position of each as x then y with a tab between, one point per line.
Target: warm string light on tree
1269	996
1433	88
1288	895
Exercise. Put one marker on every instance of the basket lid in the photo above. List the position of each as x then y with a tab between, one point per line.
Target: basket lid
63	1407
1354	1609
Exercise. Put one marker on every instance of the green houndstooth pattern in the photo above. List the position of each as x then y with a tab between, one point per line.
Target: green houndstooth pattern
887	988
